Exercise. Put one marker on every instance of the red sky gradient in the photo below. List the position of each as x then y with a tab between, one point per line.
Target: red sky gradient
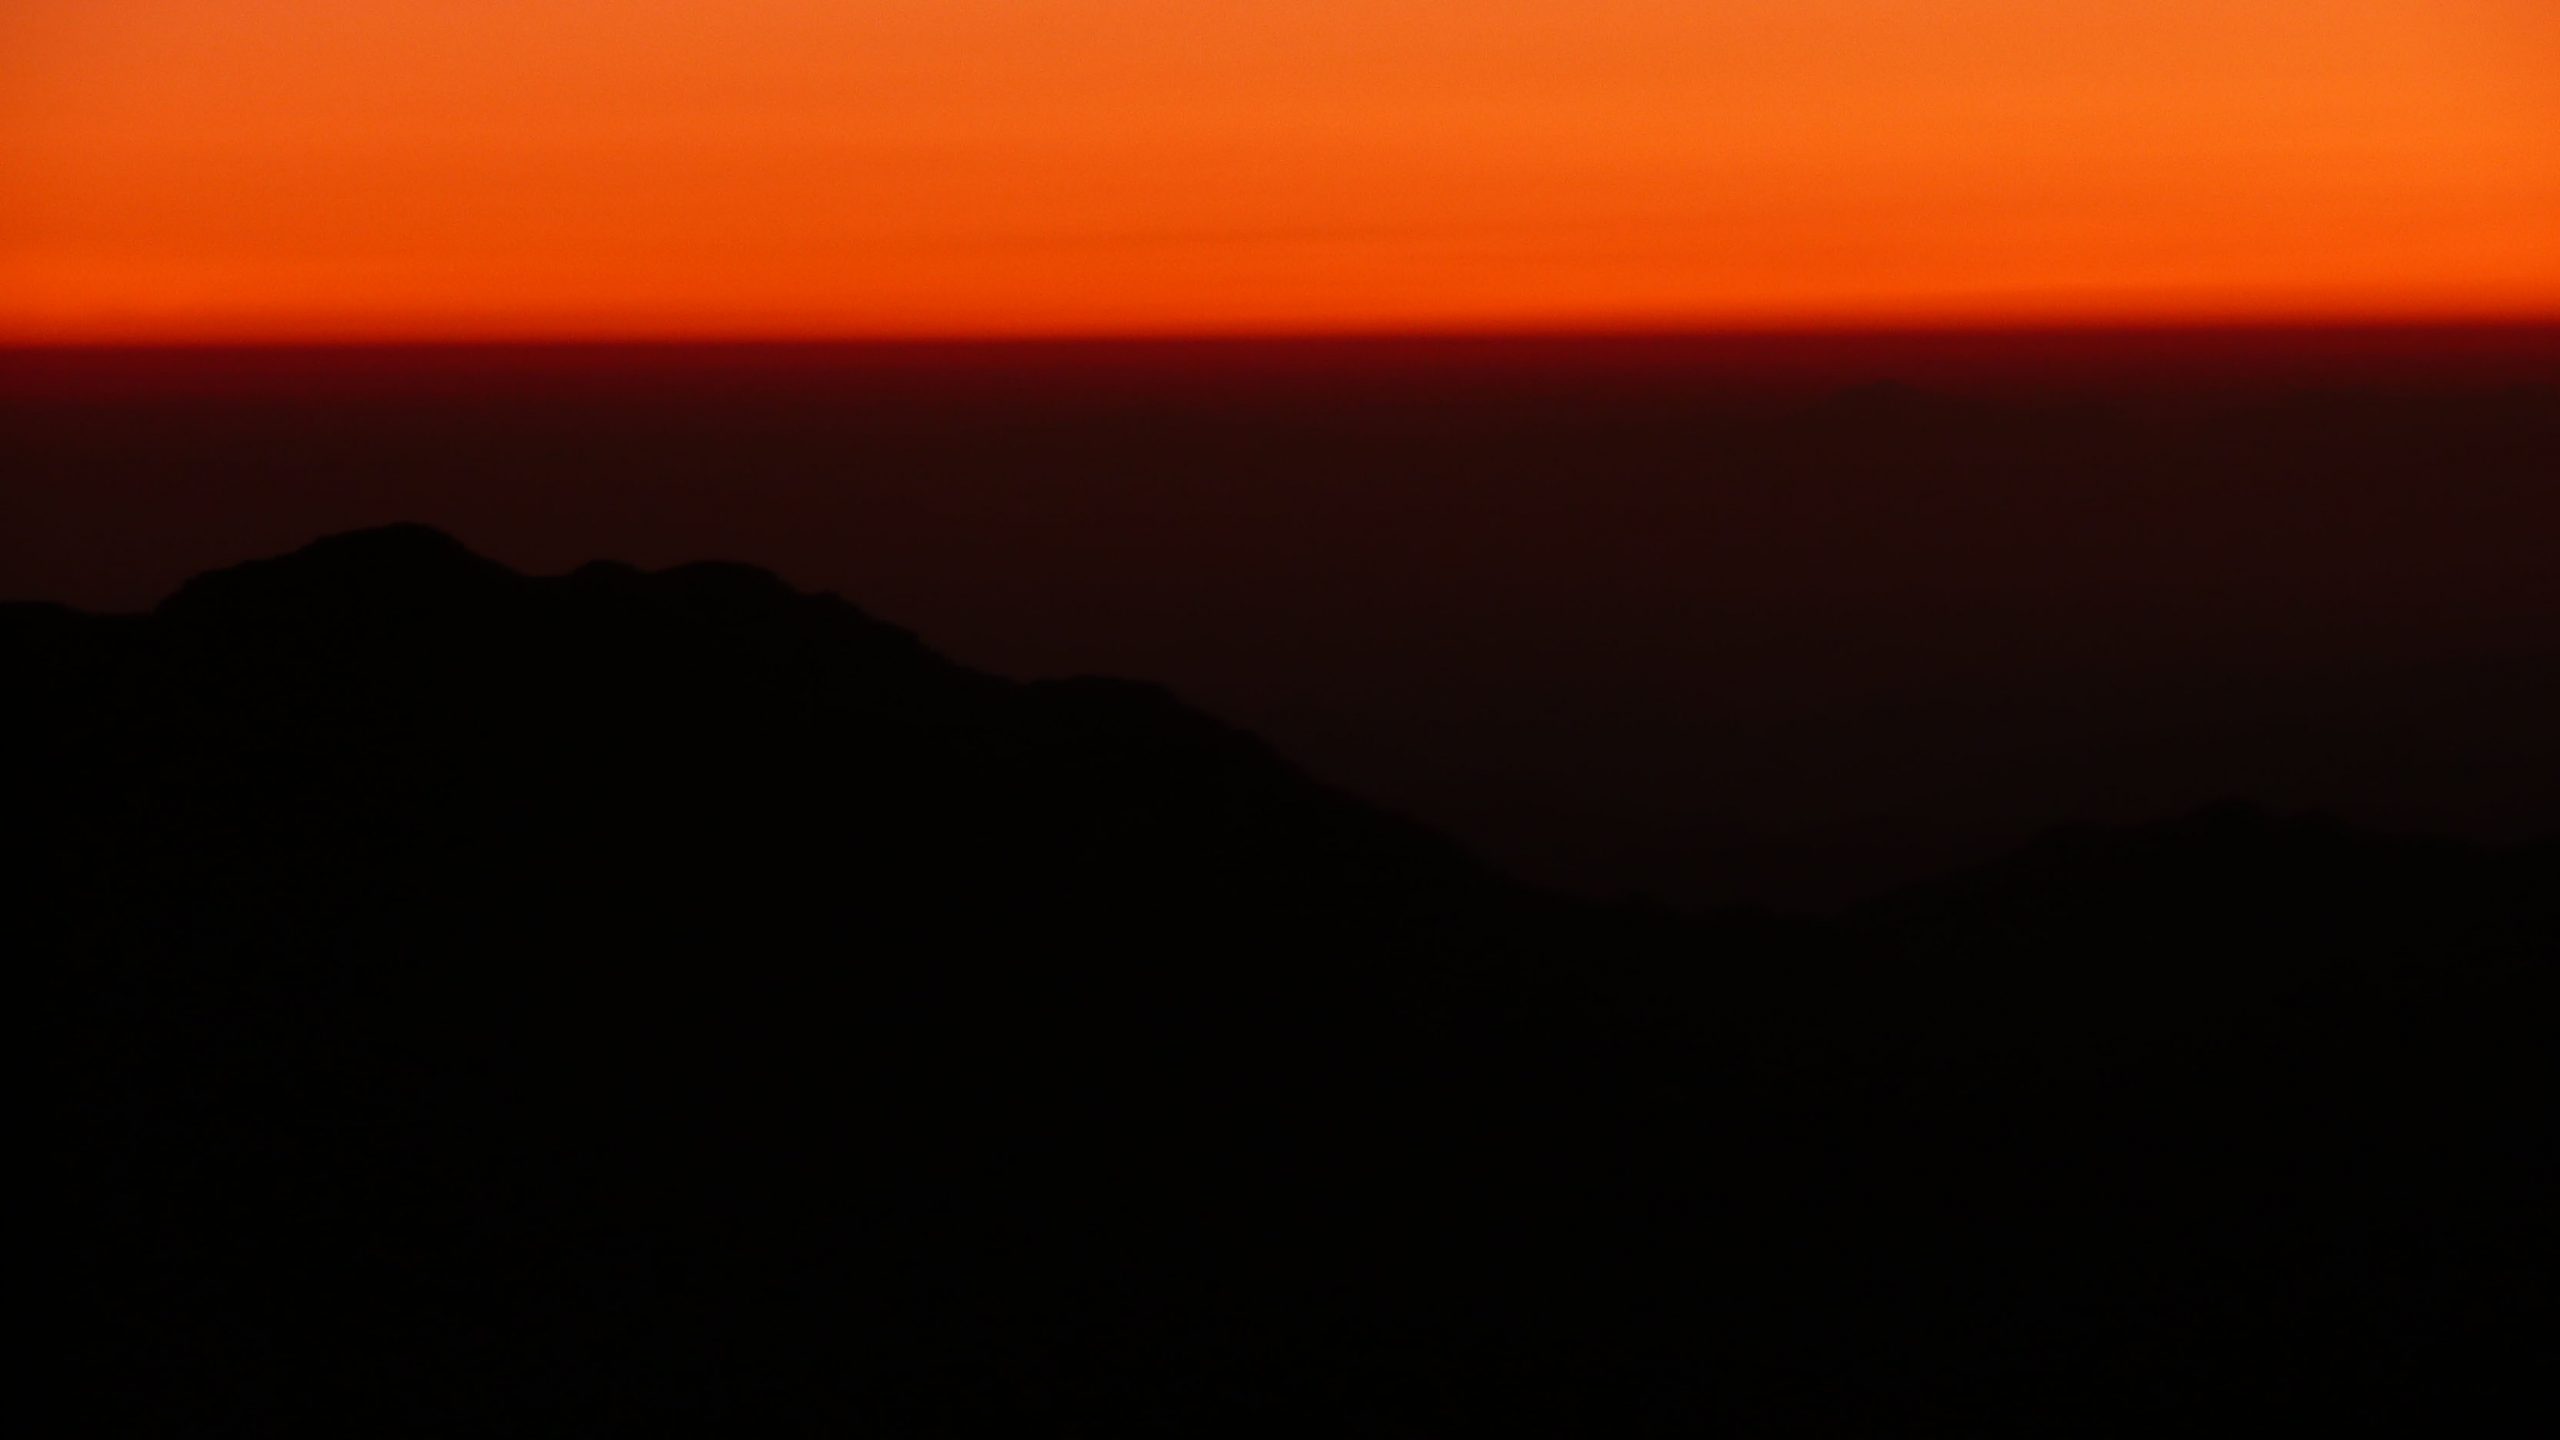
431	169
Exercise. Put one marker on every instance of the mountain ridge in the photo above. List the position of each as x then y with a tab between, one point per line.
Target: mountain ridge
484	1002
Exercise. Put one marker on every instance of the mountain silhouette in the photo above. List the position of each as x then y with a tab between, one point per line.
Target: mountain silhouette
481	1003
1780	619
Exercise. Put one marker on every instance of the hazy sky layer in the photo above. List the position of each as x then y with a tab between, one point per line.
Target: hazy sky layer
284	168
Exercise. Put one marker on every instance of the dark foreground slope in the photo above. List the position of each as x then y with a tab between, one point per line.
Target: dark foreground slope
489	1005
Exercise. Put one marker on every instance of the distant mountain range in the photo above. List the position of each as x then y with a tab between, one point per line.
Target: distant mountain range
1790	620
480	1003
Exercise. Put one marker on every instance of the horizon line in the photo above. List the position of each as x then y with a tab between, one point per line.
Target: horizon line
2092	326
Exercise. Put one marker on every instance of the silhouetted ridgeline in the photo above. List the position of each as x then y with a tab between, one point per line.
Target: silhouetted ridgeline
1775	619
486	1005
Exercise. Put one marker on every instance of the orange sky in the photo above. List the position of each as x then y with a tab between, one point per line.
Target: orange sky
204	169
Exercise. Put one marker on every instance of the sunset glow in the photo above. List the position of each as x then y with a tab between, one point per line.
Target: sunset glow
283	169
